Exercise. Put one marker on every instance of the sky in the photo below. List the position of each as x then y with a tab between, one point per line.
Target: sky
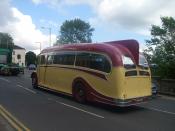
112	19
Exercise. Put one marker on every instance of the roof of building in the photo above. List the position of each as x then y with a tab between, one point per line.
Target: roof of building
18	47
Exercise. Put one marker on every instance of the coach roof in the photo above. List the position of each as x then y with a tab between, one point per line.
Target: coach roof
114	49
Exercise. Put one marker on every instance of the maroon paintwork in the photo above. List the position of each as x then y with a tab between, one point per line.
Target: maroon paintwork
114	49
131	45
91	94
94	96
100	75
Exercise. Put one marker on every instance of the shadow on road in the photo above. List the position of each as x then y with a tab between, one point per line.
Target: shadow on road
99	106
117	109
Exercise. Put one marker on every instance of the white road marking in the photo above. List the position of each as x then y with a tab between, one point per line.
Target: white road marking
27	89
160	110
6	80
90	113
50	99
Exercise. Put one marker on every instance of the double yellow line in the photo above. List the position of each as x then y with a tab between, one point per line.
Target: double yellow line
16	124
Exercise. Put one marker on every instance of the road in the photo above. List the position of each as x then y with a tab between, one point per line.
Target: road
41	110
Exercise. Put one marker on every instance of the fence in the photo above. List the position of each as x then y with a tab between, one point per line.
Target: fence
165	86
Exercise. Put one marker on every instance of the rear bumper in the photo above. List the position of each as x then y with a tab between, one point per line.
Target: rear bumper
118	102
133	101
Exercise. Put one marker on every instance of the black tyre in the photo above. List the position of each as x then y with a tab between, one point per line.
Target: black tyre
79	93
34	82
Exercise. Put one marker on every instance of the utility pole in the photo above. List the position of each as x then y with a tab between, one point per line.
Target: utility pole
39	46
50	33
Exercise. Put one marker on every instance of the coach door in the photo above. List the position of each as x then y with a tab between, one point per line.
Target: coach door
42	70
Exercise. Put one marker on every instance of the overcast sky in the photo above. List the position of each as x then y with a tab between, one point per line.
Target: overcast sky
112	19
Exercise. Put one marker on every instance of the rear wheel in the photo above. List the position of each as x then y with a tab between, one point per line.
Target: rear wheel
79	93
34	82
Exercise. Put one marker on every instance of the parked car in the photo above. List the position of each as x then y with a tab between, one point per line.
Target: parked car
154	88
32	67
8	70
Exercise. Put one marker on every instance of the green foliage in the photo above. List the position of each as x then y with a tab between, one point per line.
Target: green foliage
161	48
30	58
75	31
6	41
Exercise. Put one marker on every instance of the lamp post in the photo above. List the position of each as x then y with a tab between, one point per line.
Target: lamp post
49	34
39	45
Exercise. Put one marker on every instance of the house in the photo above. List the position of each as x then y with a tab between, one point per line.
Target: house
18	55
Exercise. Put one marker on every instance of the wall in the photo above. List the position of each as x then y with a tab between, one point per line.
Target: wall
17	52
165	86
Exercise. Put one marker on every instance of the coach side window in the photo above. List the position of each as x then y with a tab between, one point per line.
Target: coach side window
57	59
38	60
93	61
50	59
64	58
100	62
42	60
83	59
68	58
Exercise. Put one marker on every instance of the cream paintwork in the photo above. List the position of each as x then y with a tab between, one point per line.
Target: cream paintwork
116	86
132	86
41	75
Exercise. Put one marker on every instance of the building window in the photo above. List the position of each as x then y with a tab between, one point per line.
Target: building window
18	56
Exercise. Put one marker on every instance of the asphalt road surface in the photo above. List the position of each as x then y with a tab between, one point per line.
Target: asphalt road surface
41	110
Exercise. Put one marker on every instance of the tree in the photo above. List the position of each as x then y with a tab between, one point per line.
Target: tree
30	58
6	41
161	48
75	31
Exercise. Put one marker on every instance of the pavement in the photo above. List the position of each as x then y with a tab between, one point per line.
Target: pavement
166	97
40	110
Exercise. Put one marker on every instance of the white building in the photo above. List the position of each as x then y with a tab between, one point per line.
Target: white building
18	55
